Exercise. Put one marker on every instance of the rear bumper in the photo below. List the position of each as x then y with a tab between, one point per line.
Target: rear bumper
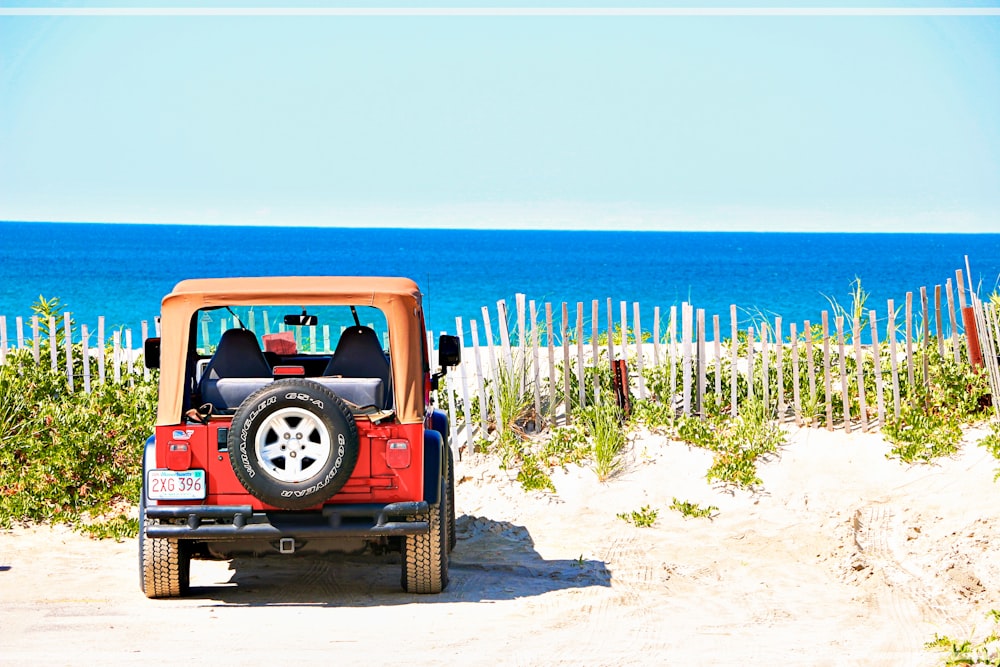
234	522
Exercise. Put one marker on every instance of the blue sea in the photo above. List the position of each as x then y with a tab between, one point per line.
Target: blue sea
121	271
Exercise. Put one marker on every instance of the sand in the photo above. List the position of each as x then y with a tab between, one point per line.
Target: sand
846	558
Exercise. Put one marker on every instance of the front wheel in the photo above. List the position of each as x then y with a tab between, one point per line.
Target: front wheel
425	556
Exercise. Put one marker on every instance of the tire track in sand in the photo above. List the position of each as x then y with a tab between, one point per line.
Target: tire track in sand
903	596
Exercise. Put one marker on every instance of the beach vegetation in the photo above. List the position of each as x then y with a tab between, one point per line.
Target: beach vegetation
565	445
604	425
533	475
644	517
992	444
513	396
46	309
737	443
928	425
694	510
855	312
918	436
984	651
70	456
618	337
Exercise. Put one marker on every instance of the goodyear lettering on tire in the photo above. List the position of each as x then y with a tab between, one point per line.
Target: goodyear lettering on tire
244	454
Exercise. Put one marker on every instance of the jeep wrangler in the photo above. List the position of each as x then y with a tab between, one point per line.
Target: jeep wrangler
268	442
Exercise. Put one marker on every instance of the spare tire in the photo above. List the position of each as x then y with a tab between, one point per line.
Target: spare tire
293	444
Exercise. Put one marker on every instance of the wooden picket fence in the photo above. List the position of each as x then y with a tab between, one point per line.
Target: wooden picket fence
550	353
65	345
551	349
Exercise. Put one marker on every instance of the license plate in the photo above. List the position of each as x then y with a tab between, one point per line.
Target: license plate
175	484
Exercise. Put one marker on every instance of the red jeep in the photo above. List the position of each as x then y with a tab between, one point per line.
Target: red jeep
294	415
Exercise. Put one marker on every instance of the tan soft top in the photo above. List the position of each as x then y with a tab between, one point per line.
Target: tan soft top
397	298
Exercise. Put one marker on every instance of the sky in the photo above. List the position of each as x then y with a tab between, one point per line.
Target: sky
868	121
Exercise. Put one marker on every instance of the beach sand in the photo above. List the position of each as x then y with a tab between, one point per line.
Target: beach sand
845	558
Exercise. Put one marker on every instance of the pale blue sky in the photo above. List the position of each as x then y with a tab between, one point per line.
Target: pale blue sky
825	123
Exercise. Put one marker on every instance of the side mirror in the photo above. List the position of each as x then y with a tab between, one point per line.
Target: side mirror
449	351
151	352
302	320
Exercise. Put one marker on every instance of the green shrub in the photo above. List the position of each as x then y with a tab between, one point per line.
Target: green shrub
985	651
67	454
532	476
737	443
919	436
694	510
644	517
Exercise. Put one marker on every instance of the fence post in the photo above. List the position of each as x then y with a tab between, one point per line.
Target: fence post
716	335
796	395
19	328
3	339
595	348
100	349
733	388
86	358
672	352
926	316
69	350
581	384
536	380
780	362
553	393
117	338
827	382
53	343
563	334
910	376
686	334
765	367
893	362
937	319
700	328
37	339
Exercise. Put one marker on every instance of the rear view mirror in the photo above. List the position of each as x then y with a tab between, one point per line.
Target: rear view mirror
302	320
151	352
449	351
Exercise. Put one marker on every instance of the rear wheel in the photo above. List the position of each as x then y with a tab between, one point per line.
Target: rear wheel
425	556
164	564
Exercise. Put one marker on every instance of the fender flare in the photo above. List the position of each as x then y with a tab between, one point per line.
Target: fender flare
434	466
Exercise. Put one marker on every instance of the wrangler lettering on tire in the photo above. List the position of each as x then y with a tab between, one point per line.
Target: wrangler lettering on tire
293	444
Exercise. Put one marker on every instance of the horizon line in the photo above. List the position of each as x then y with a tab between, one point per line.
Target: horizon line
499	229
503	11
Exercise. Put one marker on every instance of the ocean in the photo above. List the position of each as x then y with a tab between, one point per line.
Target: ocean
121	271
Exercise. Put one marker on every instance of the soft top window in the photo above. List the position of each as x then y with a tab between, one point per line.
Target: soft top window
277	327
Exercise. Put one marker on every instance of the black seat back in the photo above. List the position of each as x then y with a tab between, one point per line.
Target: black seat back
238	355
359	355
